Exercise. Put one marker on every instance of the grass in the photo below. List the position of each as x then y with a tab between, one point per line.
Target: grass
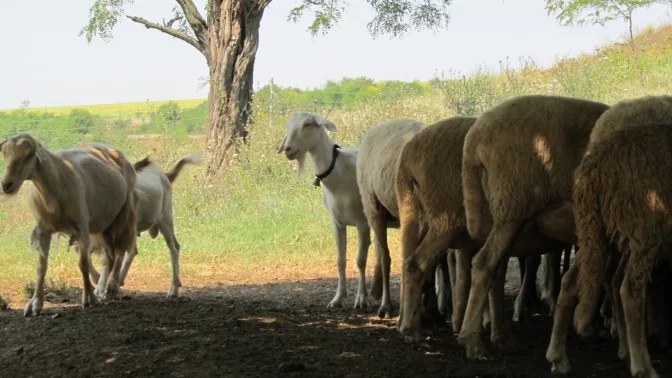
117	109
260	222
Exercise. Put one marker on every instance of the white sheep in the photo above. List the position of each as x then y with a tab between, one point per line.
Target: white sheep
336	170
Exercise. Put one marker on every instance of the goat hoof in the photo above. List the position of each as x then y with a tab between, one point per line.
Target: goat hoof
477	353
504	343
623	353
33	308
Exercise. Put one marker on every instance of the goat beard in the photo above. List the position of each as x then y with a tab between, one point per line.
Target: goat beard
301	162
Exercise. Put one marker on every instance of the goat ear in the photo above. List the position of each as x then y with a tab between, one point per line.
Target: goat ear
327	124
41	153
2	144
281	147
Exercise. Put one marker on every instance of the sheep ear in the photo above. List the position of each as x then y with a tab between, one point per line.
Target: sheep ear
327	124
281	147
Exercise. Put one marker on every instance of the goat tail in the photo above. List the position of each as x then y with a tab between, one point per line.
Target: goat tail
122	233
593	244
472	187
142	164
193	159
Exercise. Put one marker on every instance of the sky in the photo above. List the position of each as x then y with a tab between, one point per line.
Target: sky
46	62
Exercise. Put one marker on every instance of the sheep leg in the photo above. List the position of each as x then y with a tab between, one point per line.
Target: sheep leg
633	294
462	285
364	241
499	333
40	240
552	288
413	275
379	225
494	252
84	261
527	292
168	232
556	353
341	235
617	314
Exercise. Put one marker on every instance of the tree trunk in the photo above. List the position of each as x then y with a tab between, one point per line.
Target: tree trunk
233	28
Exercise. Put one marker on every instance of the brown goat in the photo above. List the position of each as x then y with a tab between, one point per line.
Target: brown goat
518	162
82	192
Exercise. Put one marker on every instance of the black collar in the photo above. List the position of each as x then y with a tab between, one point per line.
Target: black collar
331	167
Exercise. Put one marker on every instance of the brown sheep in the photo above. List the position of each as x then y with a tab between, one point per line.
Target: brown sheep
379	152
623	195
625	114
518	162
429	191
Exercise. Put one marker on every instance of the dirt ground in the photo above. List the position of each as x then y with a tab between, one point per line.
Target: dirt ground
277	329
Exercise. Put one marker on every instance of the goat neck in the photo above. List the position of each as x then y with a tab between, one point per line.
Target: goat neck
322	154
47	181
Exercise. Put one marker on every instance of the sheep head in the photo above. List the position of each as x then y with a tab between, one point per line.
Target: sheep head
21	153
304	132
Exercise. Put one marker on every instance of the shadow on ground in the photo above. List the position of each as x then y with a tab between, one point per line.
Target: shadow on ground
279	329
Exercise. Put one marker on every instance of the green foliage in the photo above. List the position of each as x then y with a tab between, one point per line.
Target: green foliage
103	16
170	112
392	17
82	120
579	12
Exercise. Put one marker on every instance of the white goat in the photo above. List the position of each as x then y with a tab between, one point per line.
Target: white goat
84	192
154	192
336	170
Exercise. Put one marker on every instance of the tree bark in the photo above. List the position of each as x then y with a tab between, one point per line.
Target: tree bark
233	31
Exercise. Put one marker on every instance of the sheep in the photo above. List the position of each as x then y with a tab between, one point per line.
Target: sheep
153	188
379	152
84	192
336	170
623	115
429	194
622	195
518	162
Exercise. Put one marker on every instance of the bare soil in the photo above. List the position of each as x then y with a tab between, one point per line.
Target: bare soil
275	329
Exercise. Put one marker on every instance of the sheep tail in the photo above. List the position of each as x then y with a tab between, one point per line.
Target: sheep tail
593	255
189	159
474	196
409	210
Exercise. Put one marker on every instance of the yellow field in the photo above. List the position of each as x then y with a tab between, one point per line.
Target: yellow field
123	108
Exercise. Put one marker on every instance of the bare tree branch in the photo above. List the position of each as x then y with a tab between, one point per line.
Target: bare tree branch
170	22
196	21
170	31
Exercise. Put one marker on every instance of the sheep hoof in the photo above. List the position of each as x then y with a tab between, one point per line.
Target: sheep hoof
173	292
336	302
385	310
360	302
33	307
623	353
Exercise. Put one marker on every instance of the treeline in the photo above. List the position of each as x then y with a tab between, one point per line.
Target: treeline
345	94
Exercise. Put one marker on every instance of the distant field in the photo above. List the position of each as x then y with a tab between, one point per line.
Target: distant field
123	108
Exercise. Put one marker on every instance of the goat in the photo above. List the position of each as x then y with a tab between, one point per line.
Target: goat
336	170
153	190
84	192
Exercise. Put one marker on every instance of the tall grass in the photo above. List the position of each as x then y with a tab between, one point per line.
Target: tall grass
261	221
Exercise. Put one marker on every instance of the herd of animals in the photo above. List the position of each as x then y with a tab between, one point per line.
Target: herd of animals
535	177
